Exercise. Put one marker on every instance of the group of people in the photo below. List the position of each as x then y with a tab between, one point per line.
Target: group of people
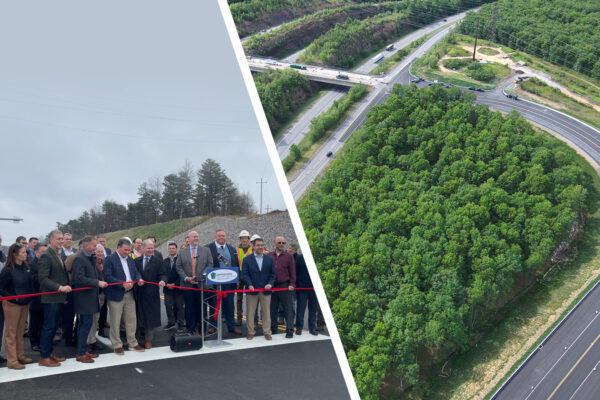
84	285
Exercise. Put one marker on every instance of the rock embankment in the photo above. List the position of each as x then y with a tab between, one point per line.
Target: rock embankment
268	226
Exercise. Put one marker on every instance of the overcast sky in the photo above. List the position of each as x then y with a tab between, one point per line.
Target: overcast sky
98	97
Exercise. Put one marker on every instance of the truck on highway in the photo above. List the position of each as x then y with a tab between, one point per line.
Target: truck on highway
298	66
378	58
390	47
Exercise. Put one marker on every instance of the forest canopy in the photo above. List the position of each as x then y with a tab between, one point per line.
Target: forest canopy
423	226
562	32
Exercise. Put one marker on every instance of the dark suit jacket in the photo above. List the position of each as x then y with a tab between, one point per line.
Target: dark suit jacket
172	275
113	273
148	295
33	269
255	277
86	273
108	251
234	260
302	277
52	274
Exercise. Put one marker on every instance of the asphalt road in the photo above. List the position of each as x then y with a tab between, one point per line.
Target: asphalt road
292	371
565	367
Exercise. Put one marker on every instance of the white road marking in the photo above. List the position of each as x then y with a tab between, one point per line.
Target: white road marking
156	353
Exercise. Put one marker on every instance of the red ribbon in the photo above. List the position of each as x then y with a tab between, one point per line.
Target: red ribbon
220	293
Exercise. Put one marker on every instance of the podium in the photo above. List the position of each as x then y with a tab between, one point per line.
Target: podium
218	277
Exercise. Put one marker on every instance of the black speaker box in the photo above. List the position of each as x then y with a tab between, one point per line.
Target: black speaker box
185	342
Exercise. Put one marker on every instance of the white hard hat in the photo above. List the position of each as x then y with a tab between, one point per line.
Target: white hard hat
244	234
254	237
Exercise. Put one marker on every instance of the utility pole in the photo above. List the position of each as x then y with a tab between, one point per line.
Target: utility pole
492	27
267	208
16	220
476	34
261	190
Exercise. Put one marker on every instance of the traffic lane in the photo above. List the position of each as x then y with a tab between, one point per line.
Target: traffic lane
569	382
582	136
297	371
575	329
590	386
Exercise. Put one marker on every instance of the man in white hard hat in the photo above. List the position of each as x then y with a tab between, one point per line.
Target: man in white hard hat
242	251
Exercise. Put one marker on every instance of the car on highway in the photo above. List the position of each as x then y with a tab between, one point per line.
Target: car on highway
342	76
479	90
329	153
416	80
471	88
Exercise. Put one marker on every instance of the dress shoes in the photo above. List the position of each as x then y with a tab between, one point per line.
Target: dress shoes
169	327
16	366
148	345
35	348
91	355
314	333
139	348
268	337
289	335
236	331
298	332
249	336
84	359
211	330
48	362
126	345
119	351
25	360
57	358
2	359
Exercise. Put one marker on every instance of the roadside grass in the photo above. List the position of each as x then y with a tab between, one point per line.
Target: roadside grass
488	51
310	101
163	231
525	322
541	93
321	128
389	63
578	83
426	66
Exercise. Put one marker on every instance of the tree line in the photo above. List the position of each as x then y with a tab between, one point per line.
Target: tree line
282	93
562	32
425	223
207	191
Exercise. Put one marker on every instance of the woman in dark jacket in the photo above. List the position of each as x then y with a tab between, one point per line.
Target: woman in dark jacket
15	279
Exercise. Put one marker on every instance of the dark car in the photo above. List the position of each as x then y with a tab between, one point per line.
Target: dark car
416	80
471	88
480	90
329	153
342	76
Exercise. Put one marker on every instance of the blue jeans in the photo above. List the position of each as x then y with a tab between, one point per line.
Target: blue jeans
303	297
85	324
51	318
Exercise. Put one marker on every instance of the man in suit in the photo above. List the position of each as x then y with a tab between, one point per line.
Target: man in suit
148	296
259	273
86	302
119	267
31	249
304	296
225	255
53	277
157	253
66	249
36	312
191	265
173	297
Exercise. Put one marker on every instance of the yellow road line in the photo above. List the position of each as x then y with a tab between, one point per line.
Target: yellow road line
572	368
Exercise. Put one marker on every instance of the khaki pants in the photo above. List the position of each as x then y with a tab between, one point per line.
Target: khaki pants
252	301
92	335
125	308
15	317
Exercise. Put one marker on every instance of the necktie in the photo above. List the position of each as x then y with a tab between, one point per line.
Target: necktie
193	261
145	263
